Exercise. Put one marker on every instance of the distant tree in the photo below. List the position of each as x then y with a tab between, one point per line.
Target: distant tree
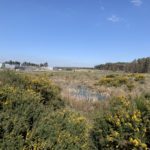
137	66
30	64
44	64
13	62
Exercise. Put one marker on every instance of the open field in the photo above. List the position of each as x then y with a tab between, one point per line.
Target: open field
88	109
90	80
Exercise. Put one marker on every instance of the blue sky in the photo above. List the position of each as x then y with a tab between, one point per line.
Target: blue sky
74	32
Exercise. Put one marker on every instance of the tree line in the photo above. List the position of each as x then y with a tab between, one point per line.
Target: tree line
25	64
141	65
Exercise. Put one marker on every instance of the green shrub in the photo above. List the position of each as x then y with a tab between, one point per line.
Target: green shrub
126	125
127	80
60	130
111	75
39	84
34	117
130	86
115	81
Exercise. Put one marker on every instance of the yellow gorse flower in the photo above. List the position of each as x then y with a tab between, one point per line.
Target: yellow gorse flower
135	142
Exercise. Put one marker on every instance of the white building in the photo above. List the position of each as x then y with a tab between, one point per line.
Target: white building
1	65
46	68
11	67
50	68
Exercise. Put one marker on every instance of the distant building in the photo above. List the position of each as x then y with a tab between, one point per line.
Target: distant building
25	67
50	68
1	64
8	66
45	69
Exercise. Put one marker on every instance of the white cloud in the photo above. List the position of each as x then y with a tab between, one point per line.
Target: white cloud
136	2
114	19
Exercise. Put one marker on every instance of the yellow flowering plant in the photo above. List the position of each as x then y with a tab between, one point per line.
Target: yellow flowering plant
124	126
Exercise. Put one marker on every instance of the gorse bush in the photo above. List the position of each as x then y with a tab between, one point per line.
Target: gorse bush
34	117
125	125
127	80
61	130
37	83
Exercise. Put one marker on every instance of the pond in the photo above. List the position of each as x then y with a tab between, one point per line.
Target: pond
84	93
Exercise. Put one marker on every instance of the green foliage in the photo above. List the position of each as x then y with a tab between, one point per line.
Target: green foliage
20	110
111	75
61	130
39	84
34	117
116	80
126	125
137	66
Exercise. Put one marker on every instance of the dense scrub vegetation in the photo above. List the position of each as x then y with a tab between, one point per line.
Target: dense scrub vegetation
33	116
124	125
137	66
116	80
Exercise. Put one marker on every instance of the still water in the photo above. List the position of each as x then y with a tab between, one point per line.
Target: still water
84	93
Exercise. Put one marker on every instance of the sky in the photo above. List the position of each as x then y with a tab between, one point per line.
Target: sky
74	32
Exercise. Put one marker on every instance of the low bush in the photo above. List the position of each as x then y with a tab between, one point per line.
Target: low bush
127	80
114	81
34	117
111	75
60	130
126	125
137	77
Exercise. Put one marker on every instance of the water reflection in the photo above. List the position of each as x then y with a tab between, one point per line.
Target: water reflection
84	93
